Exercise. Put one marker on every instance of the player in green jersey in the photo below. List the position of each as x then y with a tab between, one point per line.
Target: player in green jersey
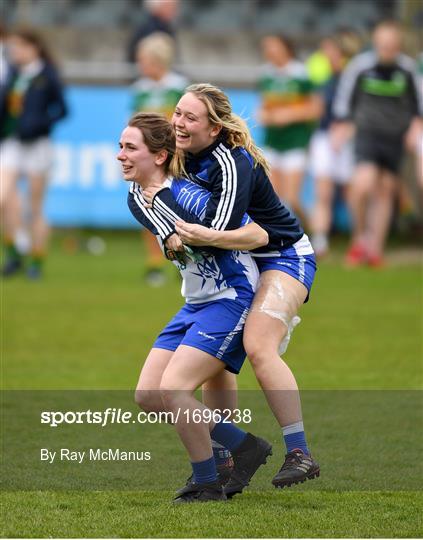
289	109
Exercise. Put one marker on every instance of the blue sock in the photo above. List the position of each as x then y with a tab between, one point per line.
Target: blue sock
228	435
295	438
220	453
204	471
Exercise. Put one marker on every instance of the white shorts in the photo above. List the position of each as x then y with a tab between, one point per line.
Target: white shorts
289	161
26	157
324	161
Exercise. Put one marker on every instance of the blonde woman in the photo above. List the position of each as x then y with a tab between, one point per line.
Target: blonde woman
220	156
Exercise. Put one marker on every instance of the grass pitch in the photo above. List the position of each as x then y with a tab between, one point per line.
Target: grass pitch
89	325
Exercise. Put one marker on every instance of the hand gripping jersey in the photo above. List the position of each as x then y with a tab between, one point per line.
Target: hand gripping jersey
237	187
220	273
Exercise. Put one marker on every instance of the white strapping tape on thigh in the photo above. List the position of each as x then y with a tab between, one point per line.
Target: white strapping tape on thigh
282	304
285	342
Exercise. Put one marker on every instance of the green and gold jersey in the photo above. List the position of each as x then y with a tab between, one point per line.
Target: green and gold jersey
286	87
158	96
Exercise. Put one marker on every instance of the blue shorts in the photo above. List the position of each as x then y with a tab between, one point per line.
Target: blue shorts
297	260
213	327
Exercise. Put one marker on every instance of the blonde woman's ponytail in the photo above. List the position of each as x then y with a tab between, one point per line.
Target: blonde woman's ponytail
238	134
177	165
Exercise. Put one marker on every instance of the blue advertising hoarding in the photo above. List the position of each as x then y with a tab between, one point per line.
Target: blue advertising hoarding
86	187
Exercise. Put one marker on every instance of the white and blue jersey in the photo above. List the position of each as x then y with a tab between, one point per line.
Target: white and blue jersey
220	273
218	289
191	198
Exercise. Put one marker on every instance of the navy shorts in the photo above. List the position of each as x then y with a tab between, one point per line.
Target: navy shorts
384	151
297	260
213	327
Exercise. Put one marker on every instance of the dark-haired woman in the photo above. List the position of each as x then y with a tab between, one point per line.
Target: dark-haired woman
205	336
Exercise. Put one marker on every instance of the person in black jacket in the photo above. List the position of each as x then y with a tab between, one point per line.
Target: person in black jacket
31	104
220	156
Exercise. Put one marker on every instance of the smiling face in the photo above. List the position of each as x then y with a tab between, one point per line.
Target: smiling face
194	132
138	163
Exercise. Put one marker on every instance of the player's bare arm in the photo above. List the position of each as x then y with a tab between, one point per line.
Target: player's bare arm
250	236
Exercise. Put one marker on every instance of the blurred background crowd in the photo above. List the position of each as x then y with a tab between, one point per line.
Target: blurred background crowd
332	91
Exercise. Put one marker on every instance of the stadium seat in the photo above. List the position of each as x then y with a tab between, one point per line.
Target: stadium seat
43	12
289	17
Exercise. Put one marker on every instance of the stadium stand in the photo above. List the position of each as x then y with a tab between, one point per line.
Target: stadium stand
89	55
